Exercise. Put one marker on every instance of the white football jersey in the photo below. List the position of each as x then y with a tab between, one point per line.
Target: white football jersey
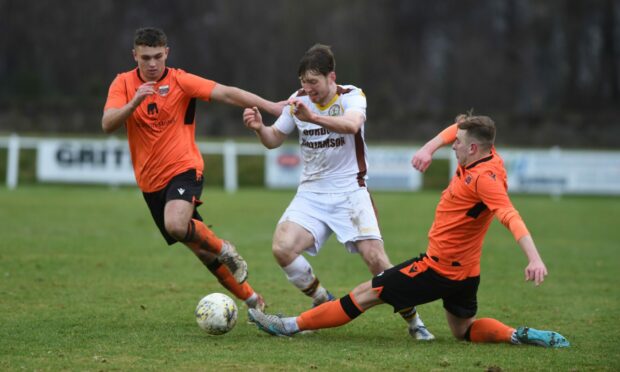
332	162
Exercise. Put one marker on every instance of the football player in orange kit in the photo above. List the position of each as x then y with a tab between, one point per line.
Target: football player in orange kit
450	268
157	106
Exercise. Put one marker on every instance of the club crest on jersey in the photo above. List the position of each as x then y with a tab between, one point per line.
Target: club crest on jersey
468	179
334	111
163	90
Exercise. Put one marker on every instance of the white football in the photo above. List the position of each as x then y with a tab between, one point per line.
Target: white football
216	313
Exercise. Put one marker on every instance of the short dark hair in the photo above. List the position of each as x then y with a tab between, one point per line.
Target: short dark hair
481	128
150	36
319	58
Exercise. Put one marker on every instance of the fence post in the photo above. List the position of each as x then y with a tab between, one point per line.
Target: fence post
12	167
230	166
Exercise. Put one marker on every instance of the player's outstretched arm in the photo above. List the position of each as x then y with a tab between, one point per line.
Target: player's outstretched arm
269	136
423	158
239	97
494	195
535	270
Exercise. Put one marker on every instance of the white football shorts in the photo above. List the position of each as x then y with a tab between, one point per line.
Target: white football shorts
350	215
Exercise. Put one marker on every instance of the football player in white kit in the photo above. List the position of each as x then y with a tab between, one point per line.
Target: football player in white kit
332	194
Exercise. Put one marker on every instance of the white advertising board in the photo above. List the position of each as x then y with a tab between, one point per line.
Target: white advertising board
558	171
84	161
283	167
389	169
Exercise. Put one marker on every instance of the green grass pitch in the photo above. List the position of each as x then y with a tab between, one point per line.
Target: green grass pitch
87	283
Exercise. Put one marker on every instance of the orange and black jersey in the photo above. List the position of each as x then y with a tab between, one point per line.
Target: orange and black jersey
476	193
161	131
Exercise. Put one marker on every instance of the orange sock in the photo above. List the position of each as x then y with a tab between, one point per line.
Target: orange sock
330	314
242	291
489	330
198	232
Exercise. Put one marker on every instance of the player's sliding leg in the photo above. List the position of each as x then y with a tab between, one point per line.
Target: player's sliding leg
329	314
373	253
489	330
199	236
242	291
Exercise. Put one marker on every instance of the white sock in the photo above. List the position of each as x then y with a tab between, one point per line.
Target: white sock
417	320
290	324
251	301
299	272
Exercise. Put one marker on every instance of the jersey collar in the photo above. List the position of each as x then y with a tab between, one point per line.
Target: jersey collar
163	76
331	102
482	160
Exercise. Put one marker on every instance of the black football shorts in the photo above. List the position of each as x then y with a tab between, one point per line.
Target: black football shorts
423	285
185	186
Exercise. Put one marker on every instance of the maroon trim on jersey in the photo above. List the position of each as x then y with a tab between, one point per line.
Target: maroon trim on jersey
340	90
361	162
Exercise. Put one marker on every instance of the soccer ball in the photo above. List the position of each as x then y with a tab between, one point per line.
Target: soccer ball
216	314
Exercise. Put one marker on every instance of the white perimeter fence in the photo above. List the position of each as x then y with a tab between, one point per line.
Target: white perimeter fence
106	161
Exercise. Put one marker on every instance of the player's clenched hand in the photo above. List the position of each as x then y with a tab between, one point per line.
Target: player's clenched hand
536	272
301	111
143	91
252	118
421	160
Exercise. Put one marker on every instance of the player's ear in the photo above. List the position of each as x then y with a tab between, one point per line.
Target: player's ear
473	148
135	55
332	76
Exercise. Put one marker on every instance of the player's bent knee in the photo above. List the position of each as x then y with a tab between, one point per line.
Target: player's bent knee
283	254
365	296
176	229
459	326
